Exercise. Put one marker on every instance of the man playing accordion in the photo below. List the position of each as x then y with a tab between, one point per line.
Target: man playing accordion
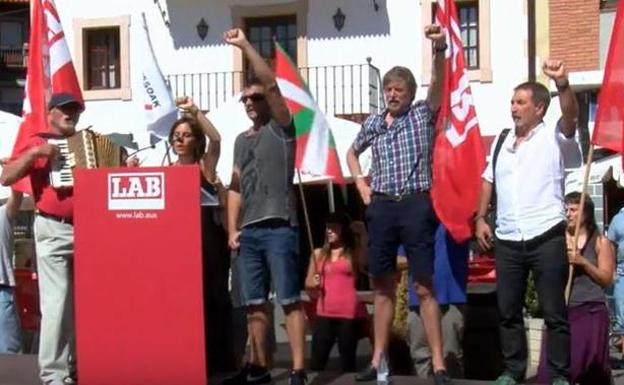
54	235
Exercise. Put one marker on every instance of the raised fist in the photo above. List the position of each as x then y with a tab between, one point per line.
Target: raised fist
556	70
187	105
235	37
436	34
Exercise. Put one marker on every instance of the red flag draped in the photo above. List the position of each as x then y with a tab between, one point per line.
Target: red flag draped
609	129
458	157
48	55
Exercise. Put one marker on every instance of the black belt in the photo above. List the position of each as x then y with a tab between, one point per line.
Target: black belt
69	221
557	230
382	197
270	223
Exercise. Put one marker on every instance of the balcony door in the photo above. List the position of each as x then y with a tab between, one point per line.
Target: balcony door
262	32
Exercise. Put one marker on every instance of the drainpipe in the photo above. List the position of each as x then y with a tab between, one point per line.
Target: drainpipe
531	39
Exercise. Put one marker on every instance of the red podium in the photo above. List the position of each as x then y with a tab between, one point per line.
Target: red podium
138	277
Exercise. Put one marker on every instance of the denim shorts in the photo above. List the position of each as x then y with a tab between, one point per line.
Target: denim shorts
269	252
410	222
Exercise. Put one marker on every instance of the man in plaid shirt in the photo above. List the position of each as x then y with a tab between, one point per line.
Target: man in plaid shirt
399	207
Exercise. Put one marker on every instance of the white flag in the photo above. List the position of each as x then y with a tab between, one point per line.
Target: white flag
158	104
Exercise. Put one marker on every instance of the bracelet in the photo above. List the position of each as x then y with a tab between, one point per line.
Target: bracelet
440	48
359	176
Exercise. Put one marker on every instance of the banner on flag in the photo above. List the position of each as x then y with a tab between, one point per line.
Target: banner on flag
458	156
609	128
315	146
158	104
50	70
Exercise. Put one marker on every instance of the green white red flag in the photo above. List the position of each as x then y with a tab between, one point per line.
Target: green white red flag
316	149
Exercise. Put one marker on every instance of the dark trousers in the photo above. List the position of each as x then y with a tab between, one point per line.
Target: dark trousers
546	257
217	304
329	330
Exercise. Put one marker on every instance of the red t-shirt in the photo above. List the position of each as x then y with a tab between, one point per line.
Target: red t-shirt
58	202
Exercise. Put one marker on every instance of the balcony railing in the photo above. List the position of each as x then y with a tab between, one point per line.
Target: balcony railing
12	57
339	90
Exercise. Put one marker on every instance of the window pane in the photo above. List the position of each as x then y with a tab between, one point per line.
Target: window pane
472	58
254	34
472	19
472	38
102	50
469	28
266	33
292	49
280	32
292	30
265	49
11	34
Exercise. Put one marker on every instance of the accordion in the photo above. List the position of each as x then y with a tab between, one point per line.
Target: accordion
84	149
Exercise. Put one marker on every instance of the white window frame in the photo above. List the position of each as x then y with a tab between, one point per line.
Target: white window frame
124	92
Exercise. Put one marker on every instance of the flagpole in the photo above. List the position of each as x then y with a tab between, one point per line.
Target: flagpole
306	218
330	196
579	216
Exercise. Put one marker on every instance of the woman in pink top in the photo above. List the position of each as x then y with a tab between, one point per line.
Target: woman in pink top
331	281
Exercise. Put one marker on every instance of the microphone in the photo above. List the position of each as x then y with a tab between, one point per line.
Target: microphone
152	146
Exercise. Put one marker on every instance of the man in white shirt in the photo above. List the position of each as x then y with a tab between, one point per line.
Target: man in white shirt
528	177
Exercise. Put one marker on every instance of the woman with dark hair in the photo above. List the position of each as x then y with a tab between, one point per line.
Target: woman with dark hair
187	138
331	279
594	260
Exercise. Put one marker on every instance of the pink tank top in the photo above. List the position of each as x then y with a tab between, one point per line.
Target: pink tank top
338	297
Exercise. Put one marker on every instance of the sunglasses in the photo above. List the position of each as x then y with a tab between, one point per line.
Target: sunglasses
253	97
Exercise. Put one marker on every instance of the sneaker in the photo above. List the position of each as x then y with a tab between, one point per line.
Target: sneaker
249	375
505	379
560	381
297	377
441	377
368	374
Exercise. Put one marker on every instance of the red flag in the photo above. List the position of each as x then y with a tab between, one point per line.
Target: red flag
458	156
609	129
50	70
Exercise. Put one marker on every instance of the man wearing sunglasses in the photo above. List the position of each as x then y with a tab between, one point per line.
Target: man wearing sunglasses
262	217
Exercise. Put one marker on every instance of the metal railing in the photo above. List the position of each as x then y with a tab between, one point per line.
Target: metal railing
12	57
339	89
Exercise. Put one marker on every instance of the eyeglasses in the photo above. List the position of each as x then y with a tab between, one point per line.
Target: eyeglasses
254	98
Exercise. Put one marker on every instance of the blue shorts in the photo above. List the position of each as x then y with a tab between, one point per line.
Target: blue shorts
410	222
267	252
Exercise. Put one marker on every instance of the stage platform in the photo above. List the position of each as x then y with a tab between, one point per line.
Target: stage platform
22	370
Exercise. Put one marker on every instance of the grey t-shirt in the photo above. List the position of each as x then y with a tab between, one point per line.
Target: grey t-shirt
6	249
266	160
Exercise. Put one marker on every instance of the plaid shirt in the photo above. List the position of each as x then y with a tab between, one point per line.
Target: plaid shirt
402	153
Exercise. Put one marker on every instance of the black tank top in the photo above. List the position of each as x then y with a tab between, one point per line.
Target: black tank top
584	289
